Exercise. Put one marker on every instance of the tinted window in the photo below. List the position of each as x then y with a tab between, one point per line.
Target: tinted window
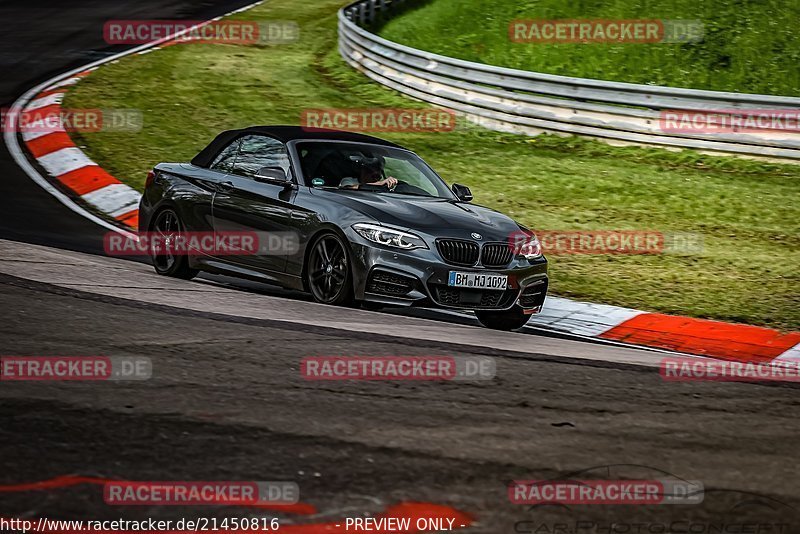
224	161
341	164
406	172
257	151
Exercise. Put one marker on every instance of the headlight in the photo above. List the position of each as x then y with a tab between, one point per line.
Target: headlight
528	245
389	237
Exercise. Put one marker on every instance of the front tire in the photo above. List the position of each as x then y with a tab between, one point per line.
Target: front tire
168	224
507	320
330	277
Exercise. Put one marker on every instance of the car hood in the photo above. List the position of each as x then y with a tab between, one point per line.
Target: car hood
434	216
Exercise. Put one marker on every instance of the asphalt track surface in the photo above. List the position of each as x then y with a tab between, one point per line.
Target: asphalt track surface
227	402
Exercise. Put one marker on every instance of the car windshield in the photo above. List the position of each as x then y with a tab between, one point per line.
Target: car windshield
368	168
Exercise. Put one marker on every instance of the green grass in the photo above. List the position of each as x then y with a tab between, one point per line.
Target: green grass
749	45
746	210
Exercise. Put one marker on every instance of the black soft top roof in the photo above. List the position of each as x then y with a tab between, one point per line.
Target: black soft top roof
284	134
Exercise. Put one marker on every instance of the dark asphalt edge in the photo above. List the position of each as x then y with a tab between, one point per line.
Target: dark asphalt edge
338	332
528	329
33	285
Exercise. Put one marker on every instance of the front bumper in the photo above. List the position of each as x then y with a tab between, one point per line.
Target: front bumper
419	278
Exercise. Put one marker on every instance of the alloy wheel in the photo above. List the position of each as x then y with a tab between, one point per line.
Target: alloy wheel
328	271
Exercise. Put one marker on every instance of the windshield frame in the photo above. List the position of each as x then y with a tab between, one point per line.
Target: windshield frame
295	156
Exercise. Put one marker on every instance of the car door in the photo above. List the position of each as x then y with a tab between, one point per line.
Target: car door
197	199
243	204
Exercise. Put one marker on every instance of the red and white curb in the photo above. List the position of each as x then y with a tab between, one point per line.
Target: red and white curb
701	337
55	152
72	169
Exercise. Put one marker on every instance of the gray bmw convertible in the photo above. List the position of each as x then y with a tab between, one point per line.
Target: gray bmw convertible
367	221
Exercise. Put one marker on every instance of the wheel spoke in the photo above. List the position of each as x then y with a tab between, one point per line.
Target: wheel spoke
327	285
161	227
323	249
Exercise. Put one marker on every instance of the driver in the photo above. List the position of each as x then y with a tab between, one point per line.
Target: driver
370	173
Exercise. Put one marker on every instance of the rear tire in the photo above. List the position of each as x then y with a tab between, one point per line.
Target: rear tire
507	320
167	223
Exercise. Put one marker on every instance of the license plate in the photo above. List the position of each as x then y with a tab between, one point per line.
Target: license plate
477	280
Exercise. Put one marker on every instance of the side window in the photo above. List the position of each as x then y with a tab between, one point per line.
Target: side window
257	151
224	161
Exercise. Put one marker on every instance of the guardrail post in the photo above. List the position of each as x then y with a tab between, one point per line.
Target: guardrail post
362	14
373	7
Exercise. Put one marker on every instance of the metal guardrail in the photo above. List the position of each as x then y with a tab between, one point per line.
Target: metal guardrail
531	103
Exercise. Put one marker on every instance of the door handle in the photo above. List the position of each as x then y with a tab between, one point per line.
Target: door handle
225	187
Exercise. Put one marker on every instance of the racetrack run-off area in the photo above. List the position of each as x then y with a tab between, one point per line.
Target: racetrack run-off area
228	396
546	183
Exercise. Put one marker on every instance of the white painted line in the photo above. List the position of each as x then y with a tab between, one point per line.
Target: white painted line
114	199
536	329
791	354
50	100
37	133
582	318
64	161
65	83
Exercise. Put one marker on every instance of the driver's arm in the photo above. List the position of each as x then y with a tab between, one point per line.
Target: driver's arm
389	181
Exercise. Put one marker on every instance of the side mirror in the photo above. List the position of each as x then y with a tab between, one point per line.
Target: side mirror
272	175
462	192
